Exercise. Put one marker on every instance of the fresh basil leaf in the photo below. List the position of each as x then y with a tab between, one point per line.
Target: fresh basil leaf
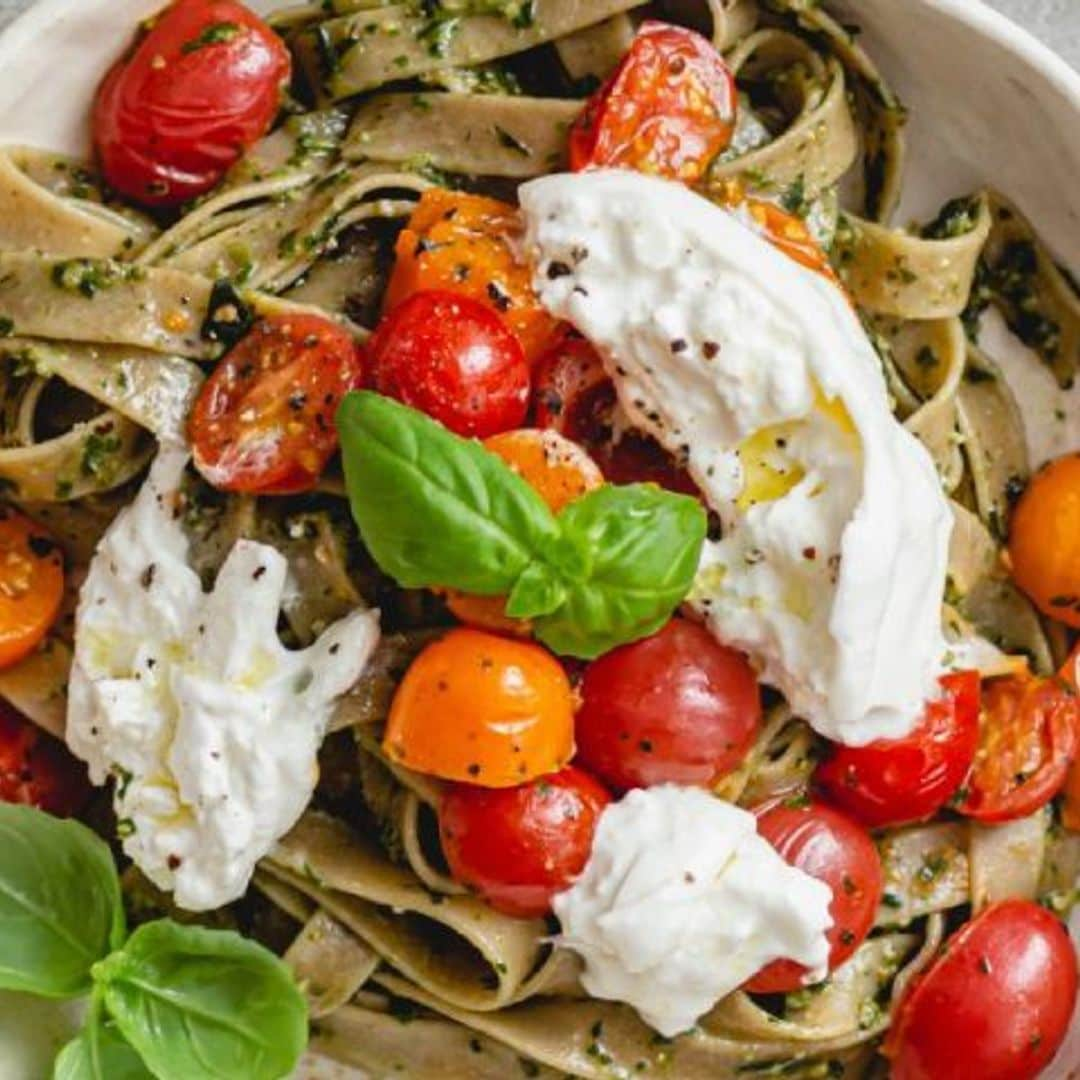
100	1053
60	906
539	591
437	509
646	545
202	1004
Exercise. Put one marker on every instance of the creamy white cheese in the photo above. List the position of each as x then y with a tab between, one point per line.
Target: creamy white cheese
209	725
682	901
756	371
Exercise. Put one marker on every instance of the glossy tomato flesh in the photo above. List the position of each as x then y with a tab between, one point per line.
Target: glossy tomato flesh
895	781
677	707
264	421
203	84
453	358
833	848
37	769
517	847
994	1005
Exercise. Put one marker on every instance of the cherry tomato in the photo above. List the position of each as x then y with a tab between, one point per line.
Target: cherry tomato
995	1004
1044	540
38	770
677	707
894	781
264	421
1029	728
831	847
203	84
517	847
668	109
31	585
561	472
452	358
1070	808
468	244
574	396
483	709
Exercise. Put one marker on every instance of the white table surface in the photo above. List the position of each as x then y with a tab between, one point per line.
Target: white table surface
1056	21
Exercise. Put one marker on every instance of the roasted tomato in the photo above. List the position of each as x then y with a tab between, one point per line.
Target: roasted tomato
1029	728
994	1005
454	359
677	707
668	109
203	83
264	420
482	709
894	781
827	845
467	244
1044	540
517	847
31	585
38	770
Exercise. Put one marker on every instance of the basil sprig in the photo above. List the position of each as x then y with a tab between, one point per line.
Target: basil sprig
171	1002
437	510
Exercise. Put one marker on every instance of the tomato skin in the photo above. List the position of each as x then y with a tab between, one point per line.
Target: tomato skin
37	769
994	1005
668	109
264	421
518	847
172	116
833	848
1029	728
896	781
676	707
31	585
453	358
482	709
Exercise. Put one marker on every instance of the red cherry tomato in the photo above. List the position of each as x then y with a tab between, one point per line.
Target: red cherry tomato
518	847
668	109
574	396
995	1004
677	707
178	110
38	770
453	358
831	847
1028	732
895	781
264	420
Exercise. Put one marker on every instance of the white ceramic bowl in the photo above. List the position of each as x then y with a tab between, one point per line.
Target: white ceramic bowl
989	105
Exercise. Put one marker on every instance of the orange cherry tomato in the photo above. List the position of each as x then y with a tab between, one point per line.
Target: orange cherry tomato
31	585
1044	540
482	709
467	244
1028	731
668	109
561	472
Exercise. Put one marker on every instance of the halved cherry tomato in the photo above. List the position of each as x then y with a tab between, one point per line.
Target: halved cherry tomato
668	109
1070	809
202	85
994	1005
677	707
561	472
31	585
831	847
482	709
1044	540
467	244
1029	730
574	396
895	781
517	847
37	769
454	359
264	420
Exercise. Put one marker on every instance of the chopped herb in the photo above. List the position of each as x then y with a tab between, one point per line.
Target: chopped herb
7	326
794	199
891	900
510	142
228	318
88	277
956	218
97	457
926	358
215	34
